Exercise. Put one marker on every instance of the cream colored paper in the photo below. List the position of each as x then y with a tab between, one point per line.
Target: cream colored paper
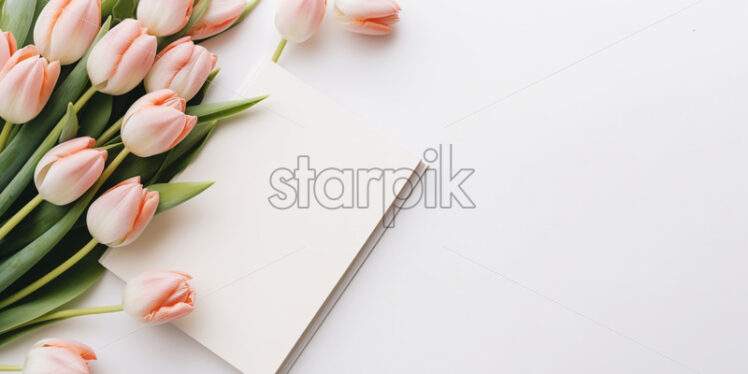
262	273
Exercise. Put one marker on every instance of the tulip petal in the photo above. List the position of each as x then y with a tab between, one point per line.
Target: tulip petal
70	177
80	349
46	360
7	46
219	16
20	89
191	77
164	18
122	58
366	9
159	296
107	52
133	66
75	30
149	204
298	20
110	218
155	130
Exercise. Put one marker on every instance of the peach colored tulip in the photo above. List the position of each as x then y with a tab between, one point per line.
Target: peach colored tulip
370	17
159	296
122	58
164	18
26	82
121	214
7	46
66	28
298	20
156	123
68	170
58	356
221	14
182	67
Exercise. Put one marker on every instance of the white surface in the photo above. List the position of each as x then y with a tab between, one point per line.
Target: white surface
274	267
610	229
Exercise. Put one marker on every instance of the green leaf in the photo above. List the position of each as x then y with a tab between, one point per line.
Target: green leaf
16	16
124	9
67	287
19	263
18	333
215	111
34	225
21	180
173	194
31	134
95	115
106	8
69	124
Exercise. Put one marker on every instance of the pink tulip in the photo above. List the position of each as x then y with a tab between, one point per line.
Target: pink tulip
122	58
221	14
159	296
370	17
156	123
68	170
121	214
58	356
182	67
298	20
7	46
26	82
66	28
164	18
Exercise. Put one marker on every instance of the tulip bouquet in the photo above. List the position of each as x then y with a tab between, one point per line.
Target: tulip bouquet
98	118
101	102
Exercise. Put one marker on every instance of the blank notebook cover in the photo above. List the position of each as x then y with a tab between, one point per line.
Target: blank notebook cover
266	276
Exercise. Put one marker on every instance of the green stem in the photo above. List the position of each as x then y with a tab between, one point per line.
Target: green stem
5	134
109	133
28	290
84	99
18	217
111	168
70	313
11	368
76	257
65	314
279	49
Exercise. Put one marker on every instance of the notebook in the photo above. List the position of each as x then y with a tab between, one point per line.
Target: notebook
303	192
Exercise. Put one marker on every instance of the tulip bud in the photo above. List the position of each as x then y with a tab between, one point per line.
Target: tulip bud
159	296
66	28
121	214
156	123
181	67
26	82
221	14
7	46
298	20
370	17
58	356
68	170
122	58
164	18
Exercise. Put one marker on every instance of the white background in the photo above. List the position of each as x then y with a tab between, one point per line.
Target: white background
609	140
